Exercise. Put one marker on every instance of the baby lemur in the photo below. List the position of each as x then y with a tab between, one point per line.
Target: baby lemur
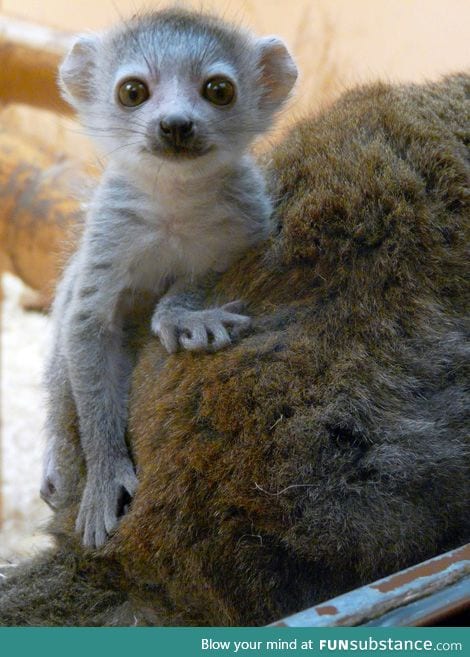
175	99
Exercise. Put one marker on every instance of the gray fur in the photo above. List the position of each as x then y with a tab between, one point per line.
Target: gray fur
157	223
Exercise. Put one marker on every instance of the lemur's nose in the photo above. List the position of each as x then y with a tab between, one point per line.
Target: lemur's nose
176	129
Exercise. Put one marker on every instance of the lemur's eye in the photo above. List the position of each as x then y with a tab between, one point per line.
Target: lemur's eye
133	92
219	91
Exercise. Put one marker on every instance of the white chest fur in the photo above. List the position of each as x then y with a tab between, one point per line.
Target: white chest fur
162	227
189	241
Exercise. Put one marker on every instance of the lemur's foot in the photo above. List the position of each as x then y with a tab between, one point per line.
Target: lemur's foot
49	490
200	330
105	499
51	483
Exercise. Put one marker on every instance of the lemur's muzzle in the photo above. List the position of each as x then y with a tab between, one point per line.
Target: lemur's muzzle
176	130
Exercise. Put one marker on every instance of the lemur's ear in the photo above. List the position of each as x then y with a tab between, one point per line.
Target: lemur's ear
278	69
76	71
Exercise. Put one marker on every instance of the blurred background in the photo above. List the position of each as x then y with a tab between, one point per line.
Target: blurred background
337	44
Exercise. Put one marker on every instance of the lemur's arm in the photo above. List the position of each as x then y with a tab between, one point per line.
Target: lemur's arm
179	321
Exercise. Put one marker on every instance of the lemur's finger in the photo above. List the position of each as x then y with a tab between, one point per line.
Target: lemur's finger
232	319
109	509
168	338
100	535
130	482
110	520
220	335
88	535
80	521
234	306
197	340
110	514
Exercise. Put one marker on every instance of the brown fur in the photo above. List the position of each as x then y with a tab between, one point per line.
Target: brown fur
330	446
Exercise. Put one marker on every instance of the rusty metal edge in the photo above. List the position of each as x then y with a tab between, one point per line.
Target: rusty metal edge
374	600
429	610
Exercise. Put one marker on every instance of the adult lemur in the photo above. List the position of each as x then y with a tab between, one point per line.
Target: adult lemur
175	98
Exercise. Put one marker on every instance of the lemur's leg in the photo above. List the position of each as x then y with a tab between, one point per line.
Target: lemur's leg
100	376
179	321
60	402
60	414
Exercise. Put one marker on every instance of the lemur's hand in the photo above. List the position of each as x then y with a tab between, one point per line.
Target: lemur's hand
199	330
108	492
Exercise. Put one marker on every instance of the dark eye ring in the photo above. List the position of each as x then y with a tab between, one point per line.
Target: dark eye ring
219	91
133	92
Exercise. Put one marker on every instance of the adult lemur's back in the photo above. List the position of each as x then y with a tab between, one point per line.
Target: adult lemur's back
330	447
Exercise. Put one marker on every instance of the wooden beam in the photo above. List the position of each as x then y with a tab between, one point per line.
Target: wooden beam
40	210
29	58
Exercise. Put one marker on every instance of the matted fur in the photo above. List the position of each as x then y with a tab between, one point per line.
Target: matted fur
330	446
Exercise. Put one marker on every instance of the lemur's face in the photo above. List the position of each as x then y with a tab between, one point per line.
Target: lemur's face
181	109
176	86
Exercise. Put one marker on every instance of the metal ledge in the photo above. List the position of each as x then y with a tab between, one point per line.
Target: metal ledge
437	587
